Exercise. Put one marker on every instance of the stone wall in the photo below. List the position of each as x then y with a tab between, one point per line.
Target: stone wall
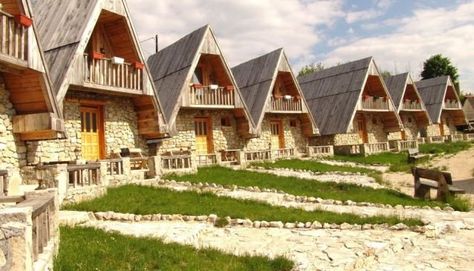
120	130
224	137
375	132
411	128
293	136
12	149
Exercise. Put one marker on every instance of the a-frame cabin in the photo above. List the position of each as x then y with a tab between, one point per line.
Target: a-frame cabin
411	109
468	109
201	100
28	110
444	107
100	78
277	105
353	109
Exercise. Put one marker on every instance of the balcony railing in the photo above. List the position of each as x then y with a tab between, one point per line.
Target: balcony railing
455	137
374	103
373	148
203	160
320	151
283	153
14	37
403	145
176	162
452	104
435	139
468	137
106	73
257	156
286	104
212	95
84	175
411	105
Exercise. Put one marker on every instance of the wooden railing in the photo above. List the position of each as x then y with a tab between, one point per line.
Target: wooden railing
468	137
421	140
456	137
104	72
3	183
436	139
283	153
372	103
320	151
14	37
373	148
84	175
411	105
43	221
261	155
207	95
176	162
230	156
114	167
453	104
206	159
283	104
407	144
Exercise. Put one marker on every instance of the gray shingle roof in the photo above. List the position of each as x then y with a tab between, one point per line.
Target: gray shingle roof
432	93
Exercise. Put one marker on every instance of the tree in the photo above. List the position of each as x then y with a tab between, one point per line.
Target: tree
385	74
315	67
438	65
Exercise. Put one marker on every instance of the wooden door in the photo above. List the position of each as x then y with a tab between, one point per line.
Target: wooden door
277	136
441	128
92	133
362	129
203	131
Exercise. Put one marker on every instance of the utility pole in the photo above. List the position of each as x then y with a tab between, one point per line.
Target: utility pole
156	43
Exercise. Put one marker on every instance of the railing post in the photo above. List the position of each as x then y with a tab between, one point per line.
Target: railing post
104	179
154	165
127	167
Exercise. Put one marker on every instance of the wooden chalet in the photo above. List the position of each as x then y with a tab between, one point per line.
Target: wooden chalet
411	110
444	107
353	109
277	107
201	101
24	76
468	109
99	76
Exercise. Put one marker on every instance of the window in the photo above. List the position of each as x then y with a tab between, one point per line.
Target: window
197	76
409	120
225	122
293	123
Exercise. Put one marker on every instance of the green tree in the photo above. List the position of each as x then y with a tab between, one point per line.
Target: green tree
386	74
315	67
438	65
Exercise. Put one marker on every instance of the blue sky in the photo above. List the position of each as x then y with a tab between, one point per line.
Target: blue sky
399	34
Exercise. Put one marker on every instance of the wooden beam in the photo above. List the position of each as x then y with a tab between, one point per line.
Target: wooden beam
40	122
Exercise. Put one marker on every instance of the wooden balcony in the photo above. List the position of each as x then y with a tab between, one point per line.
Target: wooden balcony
451	104
411	105
13	41
108	75
210	96
285	105
371	103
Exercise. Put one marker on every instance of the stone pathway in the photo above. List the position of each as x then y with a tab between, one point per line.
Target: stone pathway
442	220
336	177
317	249
380	168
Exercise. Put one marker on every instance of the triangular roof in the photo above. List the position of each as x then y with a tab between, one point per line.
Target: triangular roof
468	107
173	67
333	94
433	92
65	28
256	79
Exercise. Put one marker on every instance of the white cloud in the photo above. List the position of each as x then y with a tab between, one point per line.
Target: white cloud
427	32
245	29
379	9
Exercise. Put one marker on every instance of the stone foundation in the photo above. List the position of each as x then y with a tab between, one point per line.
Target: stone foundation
412	132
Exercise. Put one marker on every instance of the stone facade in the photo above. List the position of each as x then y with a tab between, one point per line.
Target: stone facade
293	136
223	137
375	133
412	131
12	149
448	127
120	130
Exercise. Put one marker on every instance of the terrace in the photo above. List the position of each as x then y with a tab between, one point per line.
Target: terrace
14	39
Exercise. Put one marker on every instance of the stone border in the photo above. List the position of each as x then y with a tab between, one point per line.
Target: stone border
289	197
237	222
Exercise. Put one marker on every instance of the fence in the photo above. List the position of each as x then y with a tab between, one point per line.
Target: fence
84	175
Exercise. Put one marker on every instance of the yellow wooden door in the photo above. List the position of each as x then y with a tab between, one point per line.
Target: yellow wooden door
91	133
362	129
202	129
441	128
277	137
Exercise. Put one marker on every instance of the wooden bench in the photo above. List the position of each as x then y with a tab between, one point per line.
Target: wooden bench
434	179
414	155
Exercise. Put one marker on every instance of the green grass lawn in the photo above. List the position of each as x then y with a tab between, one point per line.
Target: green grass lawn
85	249
147	200
399	161
319	167
301	187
